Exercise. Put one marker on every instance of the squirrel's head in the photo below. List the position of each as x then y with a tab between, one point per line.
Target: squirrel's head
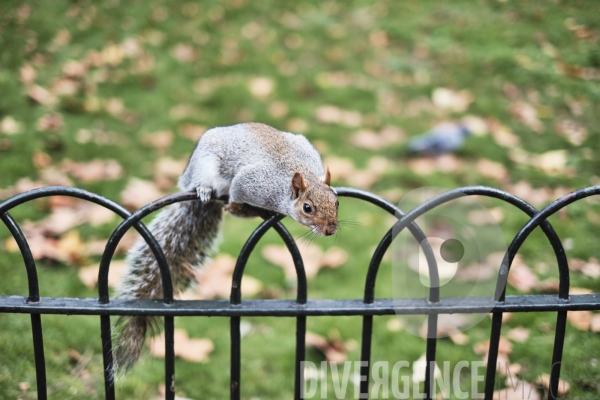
315	203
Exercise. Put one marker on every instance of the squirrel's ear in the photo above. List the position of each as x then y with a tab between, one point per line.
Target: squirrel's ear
298	185
327	178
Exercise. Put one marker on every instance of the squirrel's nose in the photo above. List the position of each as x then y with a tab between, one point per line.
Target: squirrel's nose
330	230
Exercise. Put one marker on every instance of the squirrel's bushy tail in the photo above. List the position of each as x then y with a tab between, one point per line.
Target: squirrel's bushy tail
186	232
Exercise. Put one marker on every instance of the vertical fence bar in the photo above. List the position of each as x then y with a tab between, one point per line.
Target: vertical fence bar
38	350
490	373
235	358
300	355
169	358
107	357
430	355
365	354
559	341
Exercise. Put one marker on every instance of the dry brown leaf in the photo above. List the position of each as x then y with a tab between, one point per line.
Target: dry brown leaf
483	217
448	99
476	125
191	131
577	290
332	347
572	130
115	107
520	276
138	193
548	285
394	325
215	280
505	137
591	268
492	169
552	162
595	323
544	380
261	86
65	87
89	275
581	320
297	125
459	338
10	126
340	168
41	95
504	346
92	171
190	349
313	257
27	74
159	140
278	109
50	122
374	141
518	334
527	115
74	69
167	170
112	55
517	391
184	53
334	115
98	215
447	325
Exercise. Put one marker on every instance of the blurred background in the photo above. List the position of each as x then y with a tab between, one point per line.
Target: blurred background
110	96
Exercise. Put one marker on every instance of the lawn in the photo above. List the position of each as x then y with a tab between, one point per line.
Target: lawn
111	95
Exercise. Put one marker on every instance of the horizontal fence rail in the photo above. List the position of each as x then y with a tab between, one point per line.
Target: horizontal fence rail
235	308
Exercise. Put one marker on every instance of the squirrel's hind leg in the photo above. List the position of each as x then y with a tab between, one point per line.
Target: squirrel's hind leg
242	210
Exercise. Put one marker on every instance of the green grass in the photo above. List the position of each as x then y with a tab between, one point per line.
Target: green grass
480	46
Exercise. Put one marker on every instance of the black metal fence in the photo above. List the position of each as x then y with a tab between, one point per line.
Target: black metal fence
235	308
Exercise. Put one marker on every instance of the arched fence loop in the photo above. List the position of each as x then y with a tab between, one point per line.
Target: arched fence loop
302	307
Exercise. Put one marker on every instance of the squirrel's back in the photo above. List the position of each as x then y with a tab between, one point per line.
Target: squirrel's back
233	147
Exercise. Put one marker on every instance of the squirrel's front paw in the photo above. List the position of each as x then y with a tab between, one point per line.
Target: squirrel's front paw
204	193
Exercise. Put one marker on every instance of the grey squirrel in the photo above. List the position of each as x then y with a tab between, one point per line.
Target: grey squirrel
255	165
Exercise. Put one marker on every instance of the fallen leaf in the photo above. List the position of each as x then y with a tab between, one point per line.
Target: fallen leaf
505	137
459	338
278	109
419	370
452	100
28	74
374	141
517	391
518	334
297	125
112	55
10	126
167	170
190	349
261	86
41	95
595	323
393	325
581	320
527	114
591	268
572	130
504	346
215	280
312	256
89	275
50	122
159	140
114	107
447	325
548	285
74	69
193	132
520	276
92	171
332	114
138	193
332	347
544	380
476	125
184	53
492	169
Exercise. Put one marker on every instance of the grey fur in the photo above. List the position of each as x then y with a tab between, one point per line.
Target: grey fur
252	164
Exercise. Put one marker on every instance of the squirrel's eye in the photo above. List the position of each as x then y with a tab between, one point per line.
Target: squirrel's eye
307	208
